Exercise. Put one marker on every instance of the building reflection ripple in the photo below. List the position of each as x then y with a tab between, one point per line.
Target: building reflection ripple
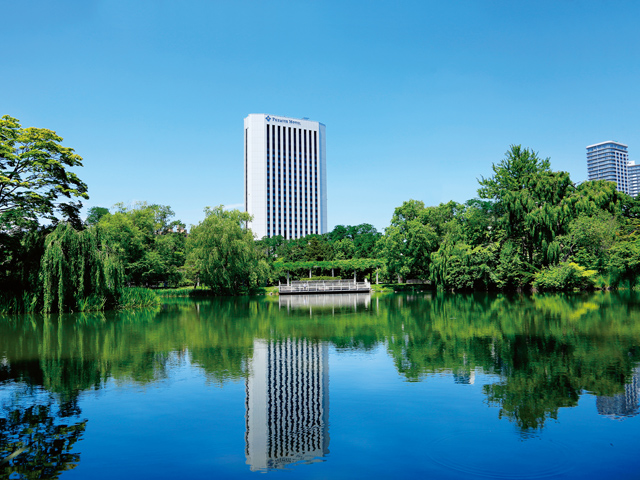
623	404
287	403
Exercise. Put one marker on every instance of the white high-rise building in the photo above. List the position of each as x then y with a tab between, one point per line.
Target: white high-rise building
609	161
634	178
287	403
285	176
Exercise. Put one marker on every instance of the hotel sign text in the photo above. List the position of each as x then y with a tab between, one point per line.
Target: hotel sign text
282	120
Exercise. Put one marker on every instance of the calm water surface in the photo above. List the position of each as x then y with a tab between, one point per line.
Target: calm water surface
411	386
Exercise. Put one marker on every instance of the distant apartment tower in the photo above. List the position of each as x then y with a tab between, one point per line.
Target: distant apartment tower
285	176
634	178
609	161
287	403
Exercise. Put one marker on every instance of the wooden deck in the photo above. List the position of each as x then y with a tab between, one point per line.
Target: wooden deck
324	286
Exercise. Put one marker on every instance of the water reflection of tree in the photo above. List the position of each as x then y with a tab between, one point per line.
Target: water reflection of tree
547	350
36	441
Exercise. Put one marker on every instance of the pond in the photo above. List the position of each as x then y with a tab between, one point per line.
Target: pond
420	385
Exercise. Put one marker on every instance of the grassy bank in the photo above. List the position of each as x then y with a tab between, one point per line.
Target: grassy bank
191	292
399	287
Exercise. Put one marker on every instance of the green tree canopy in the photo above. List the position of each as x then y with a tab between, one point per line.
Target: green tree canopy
224	252
95	214
150	244
36	181
78	271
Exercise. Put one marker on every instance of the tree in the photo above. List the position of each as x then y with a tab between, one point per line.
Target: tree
35	180
317	248
78	271
529	203
366	240
589	239
564	276
144	238
343	249
415	233
363	238
407	248
512	173
478	221
624	255
224	253
95	214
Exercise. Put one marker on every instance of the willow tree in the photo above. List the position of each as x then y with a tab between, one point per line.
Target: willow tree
37	186
224	253
78	271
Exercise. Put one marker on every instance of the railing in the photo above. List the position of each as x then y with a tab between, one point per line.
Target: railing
325	286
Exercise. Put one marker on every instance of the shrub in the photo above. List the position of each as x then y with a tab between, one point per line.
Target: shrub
565	276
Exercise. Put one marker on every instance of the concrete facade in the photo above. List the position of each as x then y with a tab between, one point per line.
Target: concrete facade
609	161
285	176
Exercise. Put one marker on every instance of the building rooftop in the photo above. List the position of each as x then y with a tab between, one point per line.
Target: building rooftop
609	141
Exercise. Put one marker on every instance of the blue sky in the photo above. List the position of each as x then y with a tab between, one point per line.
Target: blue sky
419	98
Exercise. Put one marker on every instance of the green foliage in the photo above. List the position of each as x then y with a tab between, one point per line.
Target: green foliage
624	263
35	180
224	253
564	276
459	266
533	218
78	271
362	267
528	220
513	173
342	243
151	246
528	200
95	214
176	292
478	222
20	254
512	271
14	303
317	248
359	241
137	297
408	242
589	239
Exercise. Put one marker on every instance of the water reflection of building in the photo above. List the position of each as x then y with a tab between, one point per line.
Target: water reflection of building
623	404
287	403
351	301
464	377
